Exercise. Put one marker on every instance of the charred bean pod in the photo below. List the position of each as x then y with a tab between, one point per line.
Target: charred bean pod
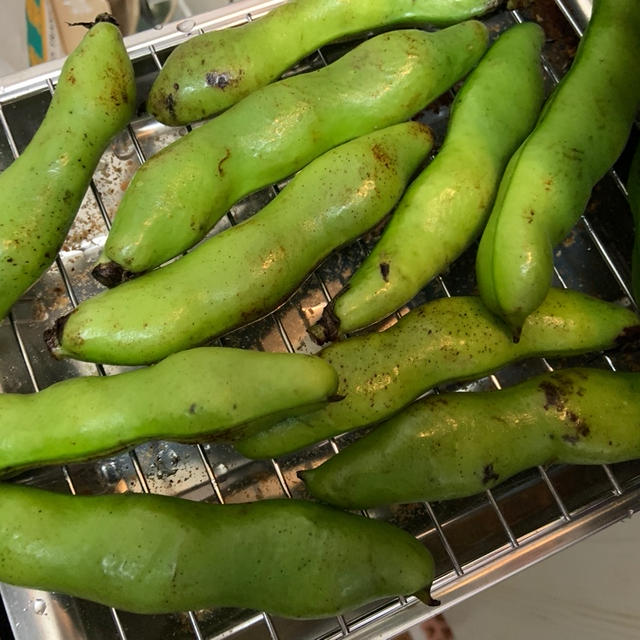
244	272
446	340
180	193
210	72
206	393
455	445
633	186
581	132
446	206
41	192
158	554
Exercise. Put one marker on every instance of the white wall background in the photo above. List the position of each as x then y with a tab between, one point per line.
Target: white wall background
13	37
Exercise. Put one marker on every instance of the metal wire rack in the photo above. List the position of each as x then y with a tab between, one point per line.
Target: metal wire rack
475	541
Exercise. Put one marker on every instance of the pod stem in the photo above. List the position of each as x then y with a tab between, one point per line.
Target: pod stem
53	337
629	339
327	328
424	595
101	17
111	274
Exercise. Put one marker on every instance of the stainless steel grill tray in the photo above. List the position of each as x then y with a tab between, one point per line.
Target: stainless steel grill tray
476	541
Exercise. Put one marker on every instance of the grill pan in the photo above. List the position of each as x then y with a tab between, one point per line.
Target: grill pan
476	541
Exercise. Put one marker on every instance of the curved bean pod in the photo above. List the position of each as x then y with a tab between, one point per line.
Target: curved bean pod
458	444
446	206
582	130
445	340
157	554
633	187
244	272
180	193
40	193
210	72
211	392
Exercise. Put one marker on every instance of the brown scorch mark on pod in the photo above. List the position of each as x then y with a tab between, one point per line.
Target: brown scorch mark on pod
170	104
227	155
381	155
581	430
218	80
384	271
555	396
488	474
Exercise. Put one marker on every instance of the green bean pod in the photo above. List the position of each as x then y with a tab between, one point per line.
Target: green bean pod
210	72
458	444
581	132
633	187
158	554
41	192
446	340
179	194
210	392
244	272
446	206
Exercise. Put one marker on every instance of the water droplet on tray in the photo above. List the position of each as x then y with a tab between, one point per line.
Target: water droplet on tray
122	147
221	469
186	26
39	606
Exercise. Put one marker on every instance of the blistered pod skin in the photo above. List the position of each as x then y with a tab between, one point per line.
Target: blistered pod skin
446	340
633	187
41	191
446	206
455	445
158	554
210	72
207	393
244	272
581	132
180	193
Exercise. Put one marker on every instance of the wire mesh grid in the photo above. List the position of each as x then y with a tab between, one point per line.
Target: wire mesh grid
475	541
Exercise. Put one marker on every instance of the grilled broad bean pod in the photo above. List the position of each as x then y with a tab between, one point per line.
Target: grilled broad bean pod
633	187
446	340
157	554
210	72
446	206
458	444
179	194
211	392
581	132
40	193
246	271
